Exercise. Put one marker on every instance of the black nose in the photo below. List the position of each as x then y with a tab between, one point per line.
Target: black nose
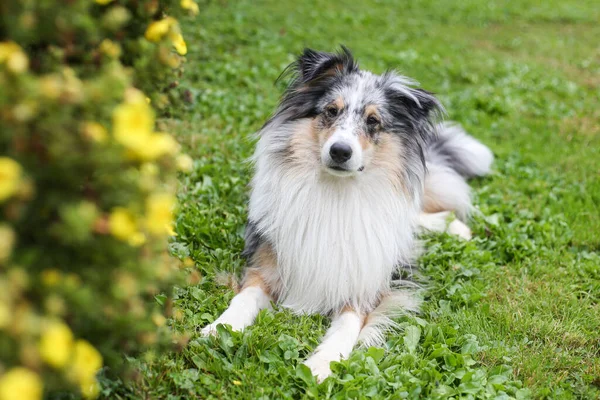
340	152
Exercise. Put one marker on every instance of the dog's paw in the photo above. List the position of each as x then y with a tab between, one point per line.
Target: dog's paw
209	330
319	366
459	229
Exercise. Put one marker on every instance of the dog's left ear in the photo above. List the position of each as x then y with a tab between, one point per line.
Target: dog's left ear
412	107
312	66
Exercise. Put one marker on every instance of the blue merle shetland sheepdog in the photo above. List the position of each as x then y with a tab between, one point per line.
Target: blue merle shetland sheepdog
348	170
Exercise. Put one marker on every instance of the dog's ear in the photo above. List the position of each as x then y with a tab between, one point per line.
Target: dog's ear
406	99
315	65
412	107
421	103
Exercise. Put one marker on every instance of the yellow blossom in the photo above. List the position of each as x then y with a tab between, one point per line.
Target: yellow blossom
94	131
18	62
5	315
158	319
110	48
10	177
159	213
157	30
87	361
104	2
14	57
90	389
7	242
72	87
184	163
122	224
20	384
50	86
56	344
51	277
137	239
133	122
179	43
190	5
158	144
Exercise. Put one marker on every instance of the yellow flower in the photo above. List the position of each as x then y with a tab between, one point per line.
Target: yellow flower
137	239
159	213
190	5
158	319
56	344
90	389
14	57
20	384
184	163
122	224
51	277
10	177
72	87
110	48
179	43
7	242
157	30
94	131
5	315
133	122
86	364
158	144
50	86
103	2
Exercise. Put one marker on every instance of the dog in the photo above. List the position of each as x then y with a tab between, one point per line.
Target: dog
348	170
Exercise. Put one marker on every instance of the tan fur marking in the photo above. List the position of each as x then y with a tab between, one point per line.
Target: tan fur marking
431	204
339	103
371	109
263	271
304	145
365	141
387	157
363	317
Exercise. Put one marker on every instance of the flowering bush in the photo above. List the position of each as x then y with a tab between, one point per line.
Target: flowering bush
86	187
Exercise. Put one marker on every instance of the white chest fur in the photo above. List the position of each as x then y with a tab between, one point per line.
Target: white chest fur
337	240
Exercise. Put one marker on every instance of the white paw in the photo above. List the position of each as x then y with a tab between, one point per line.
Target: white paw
319	366
458	228
209	330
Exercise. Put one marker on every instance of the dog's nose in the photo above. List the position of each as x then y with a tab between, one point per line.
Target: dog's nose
340	152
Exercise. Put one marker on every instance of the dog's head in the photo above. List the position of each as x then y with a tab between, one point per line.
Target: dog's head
357	118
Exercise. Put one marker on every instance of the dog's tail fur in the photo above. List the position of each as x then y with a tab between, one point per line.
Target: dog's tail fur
451	158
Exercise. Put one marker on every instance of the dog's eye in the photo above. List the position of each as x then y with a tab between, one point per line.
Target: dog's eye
331	112
372	121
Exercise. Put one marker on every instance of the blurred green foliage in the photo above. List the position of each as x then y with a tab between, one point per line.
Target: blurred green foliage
86	187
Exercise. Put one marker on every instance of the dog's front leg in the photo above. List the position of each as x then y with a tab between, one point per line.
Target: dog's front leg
337	344
245	306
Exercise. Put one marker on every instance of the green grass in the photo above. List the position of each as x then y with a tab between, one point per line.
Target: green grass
513	313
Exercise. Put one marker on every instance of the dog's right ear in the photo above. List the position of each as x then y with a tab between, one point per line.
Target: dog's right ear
315	65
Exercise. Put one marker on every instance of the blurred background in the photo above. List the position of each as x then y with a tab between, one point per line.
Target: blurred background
91	100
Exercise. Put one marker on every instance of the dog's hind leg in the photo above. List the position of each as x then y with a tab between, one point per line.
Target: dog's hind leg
340	339
438	222
256	294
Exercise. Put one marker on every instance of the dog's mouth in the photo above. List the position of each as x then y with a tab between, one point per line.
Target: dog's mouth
341	171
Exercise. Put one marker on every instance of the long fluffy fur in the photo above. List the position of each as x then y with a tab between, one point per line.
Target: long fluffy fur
338	242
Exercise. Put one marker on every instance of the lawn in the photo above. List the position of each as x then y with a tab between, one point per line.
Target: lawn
513	313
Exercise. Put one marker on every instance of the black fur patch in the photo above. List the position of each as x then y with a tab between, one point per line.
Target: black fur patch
253	239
